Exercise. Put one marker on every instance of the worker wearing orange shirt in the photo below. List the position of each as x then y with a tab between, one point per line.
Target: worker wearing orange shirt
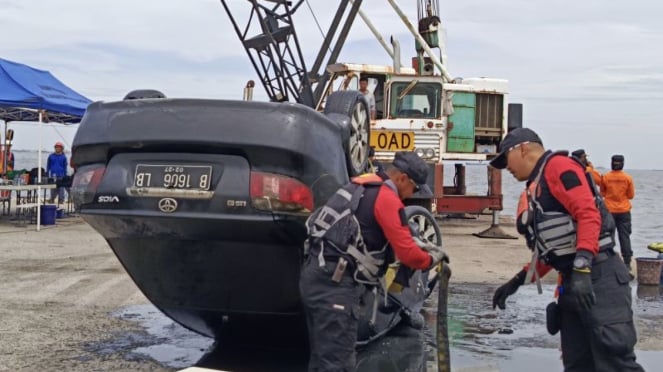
618	190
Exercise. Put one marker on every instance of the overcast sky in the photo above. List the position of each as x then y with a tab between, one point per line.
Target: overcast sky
589	73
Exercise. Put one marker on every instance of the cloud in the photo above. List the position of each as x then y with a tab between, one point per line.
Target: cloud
589	73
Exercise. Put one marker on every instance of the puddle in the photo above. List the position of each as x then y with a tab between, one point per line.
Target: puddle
481	339
176	347
161	339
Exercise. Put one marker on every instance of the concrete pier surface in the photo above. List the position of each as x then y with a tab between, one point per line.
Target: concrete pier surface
61	289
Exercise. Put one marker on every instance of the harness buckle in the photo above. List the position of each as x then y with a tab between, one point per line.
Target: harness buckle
340	269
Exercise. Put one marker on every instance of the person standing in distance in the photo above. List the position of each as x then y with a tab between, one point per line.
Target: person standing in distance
349	242
56	166
618	190
589	167
563	227
363	89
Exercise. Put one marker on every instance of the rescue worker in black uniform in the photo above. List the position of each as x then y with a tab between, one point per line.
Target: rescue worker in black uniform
345	257
593	310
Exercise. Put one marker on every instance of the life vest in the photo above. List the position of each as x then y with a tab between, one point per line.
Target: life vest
334	226
553	233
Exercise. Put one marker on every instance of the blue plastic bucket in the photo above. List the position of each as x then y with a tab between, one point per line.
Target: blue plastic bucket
59	213
48	214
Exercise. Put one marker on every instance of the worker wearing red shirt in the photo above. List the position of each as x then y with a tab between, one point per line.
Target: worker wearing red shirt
571	231
345	253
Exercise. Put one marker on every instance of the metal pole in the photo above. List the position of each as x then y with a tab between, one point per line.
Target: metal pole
4	147
443	352
41	118
424	45
376	33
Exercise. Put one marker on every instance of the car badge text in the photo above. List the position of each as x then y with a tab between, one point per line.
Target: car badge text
108	199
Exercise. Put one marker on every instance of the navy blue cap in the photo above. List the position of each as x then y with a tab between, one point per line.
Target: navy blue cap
411	164
578	153
513	138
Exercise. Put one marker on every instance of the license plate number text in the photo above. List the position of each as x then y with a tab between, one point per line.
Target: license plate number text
173	176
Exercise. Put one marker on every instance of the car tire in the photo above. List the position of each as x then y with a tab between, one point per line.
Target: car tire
356	129
423	225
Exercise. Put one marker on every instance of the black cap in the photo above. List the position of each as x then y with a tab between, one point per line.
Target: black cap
411	164
617	162
513	138
578	153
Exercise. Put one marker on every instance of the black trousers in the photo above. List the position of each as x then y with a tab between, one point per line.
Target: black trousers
603	338
332	316
623	224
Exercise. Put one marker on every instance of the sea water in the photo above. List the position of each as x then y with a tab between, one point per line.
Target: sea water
646	215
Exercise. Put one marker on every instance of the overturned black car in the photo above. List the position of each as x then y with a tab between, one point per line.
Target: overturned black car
204	204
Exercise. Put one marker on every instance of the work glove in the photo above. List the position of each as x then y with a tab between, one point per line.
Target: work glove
437	254
507	289
421	243
581	280
435	251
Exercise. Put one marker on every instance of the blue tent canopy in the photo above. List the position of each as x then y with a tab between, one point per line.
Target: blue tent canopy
24	91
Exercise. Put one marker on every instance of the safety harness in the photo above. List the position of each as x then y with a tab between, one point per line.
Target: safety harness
336	227
554	232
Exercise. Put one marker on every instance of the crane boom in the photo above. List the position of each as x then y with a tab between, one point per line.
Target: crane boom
270	40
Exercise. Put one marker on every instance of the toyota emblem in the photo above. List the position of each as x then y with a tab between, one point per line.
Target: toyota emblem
168	205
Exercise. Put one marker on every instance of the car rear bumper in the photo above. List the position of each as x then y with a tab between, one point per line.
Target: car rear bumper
201	271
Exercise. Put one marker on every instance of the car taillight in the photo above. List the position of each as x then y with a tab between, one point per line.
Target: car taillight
278	193
85	183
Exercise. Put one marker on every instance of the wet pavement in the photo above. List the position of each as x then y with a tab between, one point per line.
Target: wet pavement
482	339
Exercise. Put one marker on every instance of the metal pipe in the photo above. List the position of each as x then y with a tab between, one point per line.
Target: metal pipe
424	45
396	57
443	352
248	90
39	163
4	148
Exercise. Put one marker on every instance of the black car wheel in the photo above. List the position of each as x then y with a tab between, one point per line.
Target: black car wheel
423	224
356	127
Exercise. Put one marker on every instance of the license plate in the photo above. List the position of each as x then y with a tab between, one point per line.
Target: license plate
385	140
188	177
